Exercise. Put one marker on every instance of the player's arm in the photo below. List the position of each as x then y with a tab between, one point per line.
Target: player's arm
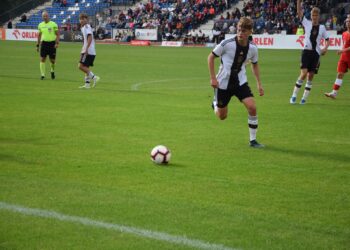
256	72
344	50
211	65
57	37
89	40
300	11
38	42
325	49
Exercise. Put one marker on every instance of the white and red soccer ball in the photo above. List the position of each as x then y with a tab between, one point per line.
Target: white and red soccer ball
160	154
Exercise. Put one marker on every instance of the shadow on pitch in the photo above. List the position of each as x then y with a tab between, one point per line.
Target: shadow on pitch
17	159
38	78
310	154
170	165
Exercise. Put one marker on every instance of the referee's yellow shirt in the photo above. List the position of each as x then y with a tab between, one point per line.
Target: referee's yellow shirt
48	31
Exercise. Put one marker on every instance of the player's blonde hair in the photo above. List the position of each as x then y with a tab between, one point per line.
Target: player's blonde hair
245	23
83	16
315	10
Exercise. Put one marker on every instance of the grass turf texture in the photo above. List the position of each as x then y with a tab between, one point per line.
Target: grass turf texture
86	153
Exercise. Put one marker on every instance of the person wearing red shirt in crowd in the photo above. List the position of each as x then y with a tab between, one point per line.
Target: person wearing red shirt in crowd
343	63
212	11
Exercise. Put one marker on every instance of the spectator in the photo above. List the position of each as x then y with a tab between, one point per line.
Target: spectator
9	24
212	11
300	30
64	3
23	18
216	33
232	29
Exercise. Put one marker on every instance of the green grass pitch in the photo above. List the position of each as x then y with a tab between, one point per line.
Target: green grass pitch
86	153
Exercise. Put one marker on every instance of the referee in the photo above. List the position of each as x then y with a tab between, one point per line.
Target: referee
48	40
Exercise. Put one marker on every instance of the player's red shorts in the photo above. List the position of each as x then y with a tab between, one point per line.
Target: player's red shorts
343	66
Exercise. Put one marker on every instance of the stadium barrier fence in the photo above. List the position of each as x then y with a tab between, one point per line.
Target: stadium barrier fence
262	41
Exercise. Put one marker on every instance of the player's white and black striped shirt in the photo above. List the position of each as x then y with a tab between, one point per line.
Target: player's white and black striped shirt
313	35
86	30
229	60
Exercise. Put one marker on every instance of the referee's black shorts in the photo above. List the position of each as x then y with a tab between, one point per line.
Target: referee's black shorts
310	60
48	49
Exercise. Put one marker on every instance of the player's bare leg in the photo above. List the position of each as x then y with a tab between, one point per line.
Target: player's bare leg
52	68
308	86
250	105
86	71
221	113
336	86
88	75
298	84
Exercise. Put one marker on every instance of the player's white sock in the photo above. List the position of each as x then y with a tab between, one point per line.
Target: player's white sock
87	79
337	84
91	75
87	82
253	127
297	87
307	90
215	107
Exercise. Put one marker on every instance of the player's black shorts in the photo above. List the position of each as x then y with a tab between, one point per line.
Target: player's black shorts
223	96
48	49
87	60
310	60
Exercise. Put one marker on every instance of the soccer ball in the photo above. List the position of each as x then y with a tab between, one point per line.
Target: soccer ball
160	155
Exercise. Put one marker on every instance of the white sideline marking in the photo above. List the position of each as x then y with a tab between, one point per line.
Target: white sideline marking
136	86
179	240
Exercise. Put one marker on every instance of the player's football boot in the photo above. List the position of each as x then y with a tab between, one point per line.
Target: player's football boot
330	95
85	86
53	75
255	144
95	79
292	100
42	77
302	101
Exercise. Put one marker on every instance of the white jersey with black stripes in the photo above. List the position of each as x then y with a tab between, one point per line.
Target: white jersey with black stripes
227	51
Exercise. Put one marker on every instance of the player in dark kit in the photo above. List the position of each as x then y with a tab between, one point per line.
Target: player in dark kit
231	79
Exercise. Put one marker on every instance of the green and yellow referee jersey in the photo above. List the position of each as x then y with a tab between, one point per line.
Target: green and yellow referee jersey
48	31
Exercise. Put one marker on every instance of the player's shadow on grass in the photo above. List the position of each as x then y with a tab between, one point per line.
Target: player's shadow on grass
171	165
11	158
311	154
38	78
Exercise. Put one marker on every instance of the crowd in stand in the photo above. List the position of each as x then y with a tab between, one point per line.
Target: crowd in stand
278	16
178	19
174	19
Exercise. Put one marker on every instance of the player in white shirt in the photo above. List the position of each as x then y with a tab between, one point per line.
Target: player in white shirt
88	52
310	58
231	79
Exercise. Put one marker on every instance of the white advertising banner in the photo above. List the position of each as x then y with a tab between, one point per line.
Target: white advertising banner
146	34
290	41
21	35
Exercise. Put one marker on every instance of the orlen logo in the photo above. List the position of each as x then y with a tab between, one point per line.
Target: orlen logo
301	40
16	34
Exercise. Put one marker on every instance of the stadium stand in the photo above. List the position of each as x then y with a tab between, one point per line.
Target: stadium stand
66	12
279	16
168	15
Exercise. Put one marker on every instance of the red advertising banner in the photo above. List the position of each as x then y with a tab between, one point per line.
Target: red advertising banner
140	43
2	34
